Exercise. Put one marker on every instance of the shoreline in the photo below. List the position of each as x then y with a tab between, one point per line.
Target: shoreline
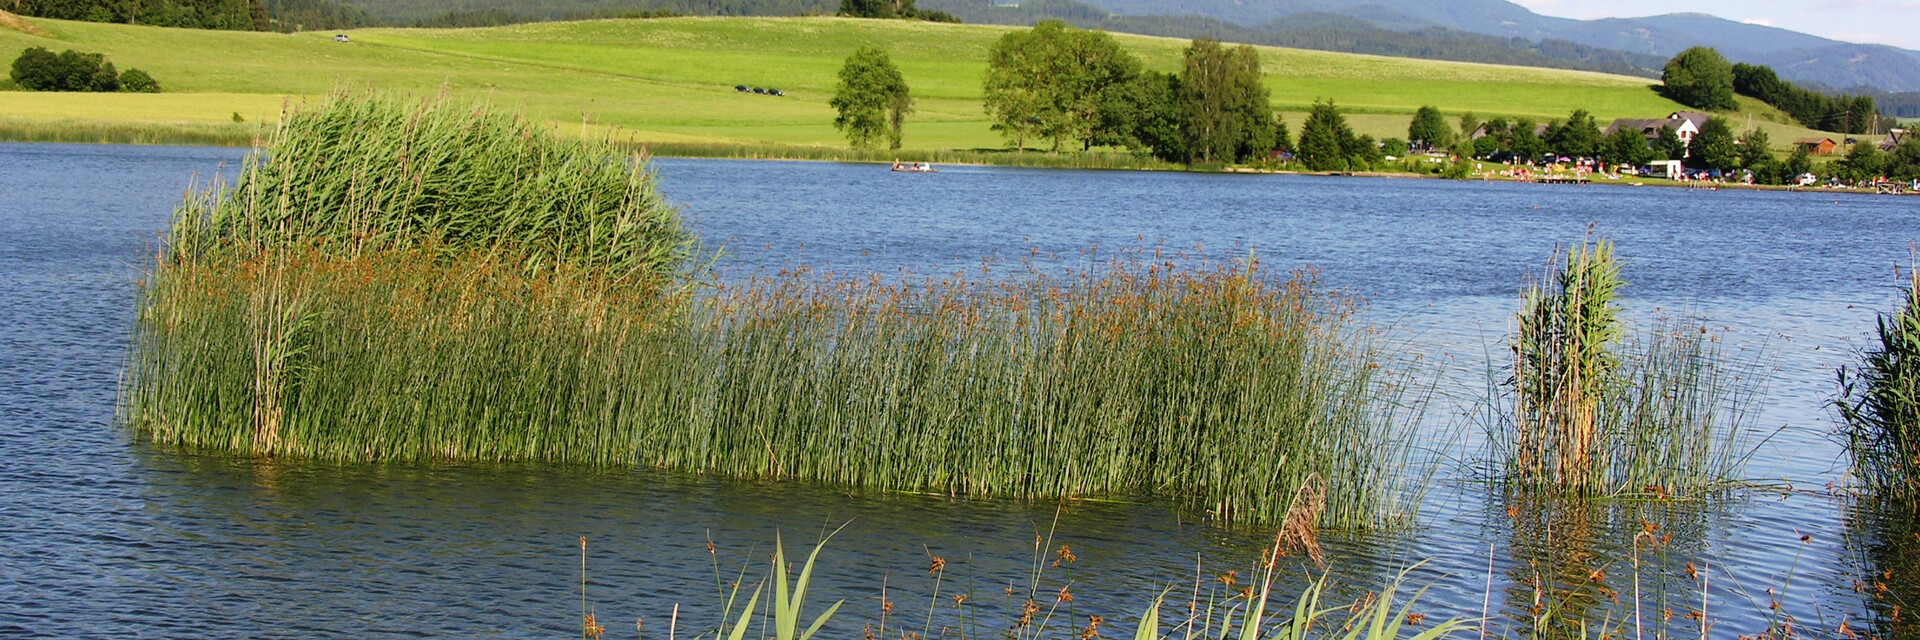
216	134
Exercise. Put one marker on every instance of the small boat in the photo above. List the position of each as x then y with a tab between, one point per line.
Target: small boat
915	167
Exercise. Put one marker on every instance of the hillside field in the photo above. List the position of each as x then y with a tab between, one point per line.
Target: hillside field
672	80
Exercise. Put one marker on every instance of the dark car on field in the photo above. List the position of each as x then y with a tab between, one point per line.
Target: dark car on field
740	88
775	92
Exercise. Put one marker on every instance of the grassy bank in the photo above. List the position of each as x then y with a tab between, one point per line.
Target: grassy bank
210	134
671	80
1006	158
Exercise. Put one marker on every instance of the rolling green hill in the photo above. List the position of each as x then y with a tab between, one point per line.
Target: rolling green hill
673	79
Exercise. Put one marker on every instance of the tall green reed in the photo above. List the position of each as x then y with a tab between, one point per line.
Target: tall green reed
1591	410
1215	389
378	171
1563	362
409	281
1879	403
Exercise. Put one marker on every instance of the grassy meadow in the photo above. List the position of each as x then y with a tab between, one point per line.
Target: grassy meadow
671	80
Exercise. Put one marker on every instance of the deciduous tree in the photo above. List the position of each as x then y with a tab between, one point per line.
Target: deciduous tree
1227	112
1429	129
872	99
1626	146
1714	146
1058	82
1700	78
1579	136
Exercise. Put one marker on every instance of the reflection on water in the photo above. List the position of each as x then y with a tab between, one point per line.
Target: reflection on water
1886	539
100	536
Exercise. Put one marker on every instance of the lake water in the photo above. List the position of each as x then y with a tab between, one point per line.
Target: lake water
101	535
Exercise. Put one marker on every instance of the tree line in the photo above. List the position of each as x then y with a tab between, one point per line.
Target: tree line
892	9
1071	86
1843	114
234	15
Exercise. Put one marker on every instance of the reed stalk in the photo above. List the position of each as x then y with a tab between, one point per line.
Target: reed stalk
1879	403
1591	410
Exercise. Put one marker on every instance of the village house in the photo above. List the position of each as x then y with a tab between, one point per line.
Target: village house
1817	146
1684	124
1895	138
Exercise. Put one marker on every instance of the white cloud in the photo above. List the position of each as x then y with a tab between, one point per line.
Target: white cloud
1759	21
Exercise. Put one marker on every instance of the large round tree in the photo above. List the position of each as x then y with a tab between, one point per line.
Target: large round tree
872	99
1700	78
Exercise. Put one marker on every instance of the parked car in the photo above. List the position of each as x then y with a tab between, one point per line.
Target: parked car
740	88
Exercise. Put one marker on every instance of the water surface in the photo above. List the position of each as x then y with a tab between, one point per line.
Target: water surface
101	535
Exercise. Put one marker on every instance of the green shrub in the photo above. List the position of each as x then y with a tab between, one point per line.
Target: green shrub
137	81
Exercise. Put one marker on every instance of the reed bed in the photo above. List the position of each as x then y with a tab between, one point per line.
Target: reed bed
396	281
212	134
1588	410
1063	160
1880	403
1214	389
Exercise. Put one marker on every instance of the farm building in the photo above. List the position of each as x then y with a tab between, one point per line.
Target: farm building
1817	146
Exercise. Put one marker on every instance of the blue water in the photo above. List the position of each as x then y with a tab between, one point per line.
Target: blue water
101	535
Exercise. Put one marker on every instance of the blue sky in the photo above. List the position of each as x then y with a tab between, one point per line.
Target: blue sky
1894	22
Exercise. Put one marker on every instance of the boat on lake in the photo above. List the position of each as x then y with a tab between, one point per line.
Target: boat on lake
914	167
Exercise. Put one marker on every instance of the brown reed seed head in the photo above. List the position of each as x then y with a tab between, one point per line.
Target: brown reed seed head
936	566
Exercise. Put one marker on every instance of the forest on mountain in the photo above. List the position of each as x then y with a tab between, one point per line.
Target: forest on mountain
1320	31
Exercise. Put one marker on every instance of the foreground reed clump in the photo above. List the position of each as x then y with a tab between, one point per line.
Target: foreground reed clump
1880	403
1589	411
434	282
1211	388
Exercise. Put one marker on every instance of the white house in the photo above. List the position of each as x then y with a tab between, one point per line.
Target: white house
1684	124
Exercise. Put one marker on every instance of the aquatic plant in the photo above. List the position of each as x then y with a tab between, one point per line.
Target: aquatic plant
1215	389
1590	411
376	172
1879	403
1563	362
395	281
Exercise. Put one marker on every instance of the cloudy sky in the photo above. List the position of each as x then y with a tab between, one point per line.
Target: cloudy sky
1895	22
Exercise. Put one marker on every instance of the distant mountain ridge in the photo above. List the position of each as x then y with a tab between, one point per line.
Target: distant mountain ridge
1797	56
1320	31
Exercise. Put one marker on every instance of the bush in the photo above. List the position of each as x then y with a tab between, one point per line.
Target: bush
137	81
38	69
